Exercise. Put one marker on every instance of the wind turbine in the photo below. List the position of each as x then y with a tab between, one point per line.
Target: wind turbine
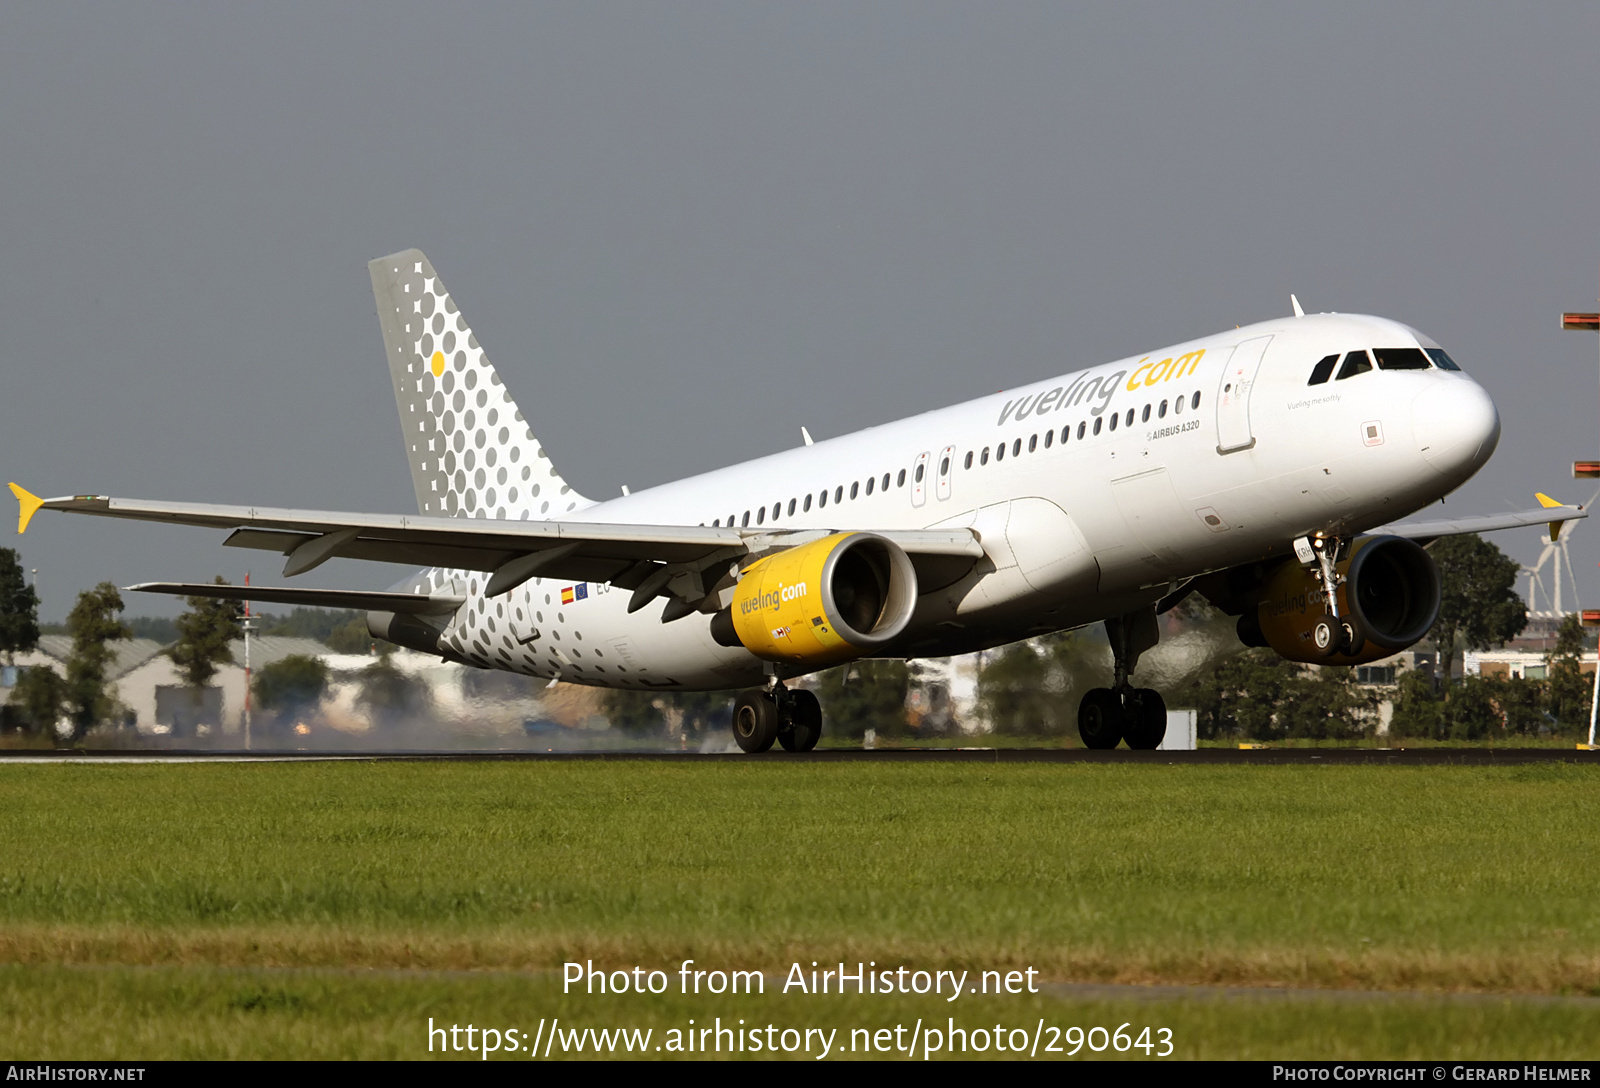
1555	554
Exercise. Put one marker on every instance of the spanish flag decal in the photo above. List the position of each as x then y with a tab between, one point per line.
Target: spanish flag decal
575	593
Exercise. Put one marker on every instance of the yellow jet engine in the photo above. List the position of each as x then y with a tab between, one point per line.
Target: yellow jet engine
821	603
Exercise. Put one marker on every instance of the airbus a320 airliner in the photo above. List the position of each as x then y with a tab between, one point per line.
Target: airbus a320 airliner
1262	467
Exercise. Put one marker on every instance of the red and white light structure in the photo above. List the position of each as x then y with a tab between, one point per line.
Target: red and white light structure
1587	321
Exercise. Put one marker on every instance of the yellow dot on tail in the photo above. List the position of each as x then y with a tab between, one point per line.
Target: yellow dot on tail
438	363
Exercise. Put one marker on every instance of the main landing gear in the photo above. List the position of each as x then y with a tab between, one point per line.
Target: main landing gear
1333	634
774	713
1124	712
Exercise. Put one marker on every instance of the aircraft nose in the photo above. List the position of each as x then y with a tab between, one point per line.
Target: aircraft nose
1456	426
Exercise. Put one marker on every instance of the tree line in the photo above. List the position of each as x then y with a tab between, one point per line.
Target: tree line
1031	688
1028	688
46	703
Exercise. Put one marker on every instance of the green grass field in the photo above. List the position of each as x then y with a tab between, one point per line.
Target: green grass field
329	909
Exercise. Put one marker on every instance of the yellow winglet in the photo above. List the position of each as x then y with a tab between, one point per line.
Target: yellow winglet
1547	502
29	504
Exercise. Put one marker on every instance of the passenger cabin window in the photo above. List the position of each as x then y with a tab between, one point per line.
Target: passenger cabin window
1130	417
1161	413
1033	442
807	505
822	499
1115	418
1323	370
1195	400
1441	360
919	474
1401	359
855	488
900	480
1016	447
1067	431
871	480
984	460
838	495
886	481
761	516
777	508
1354	363
1049	437
944	467
1000	452
1098	422
969	459
746	522
1144	416
791	508
1084	426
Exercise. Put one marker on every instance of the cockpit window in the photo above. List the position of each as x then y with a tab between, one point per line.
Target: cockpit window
1354	363
1401	358
1323	370
1441	360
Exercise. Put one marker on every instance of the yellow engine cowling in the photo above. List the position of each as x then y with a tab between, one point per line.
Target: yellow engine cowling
1391	590
822	603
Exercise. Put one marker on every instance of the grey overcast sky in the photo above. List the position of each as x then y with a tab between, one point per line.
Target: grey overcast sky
683	230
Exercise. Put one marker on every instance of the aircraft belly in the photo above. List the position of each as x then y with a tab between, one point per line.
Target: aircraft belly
1033	550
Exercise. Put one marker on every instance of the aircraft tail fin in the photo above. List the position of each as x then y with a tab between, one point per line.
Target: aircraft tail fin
472	453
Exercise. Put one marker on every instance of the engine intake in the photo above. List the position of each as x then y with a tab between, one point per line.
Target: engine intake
1391	590
821	603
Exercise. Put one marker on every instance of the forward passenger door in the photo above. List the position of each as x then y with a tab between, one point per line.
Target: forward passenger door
1233	395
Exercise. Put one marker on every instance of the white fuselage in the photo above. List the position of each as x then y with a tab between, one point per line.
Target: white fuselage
1076	525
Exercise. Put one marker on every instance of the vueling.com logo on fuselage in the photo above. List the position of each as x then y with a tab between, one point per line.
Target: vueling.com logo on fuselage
1087	387
773	598
1165	370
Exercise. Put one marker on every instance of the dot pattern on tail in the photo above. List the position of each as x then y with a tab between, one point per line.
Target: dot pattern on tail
472	453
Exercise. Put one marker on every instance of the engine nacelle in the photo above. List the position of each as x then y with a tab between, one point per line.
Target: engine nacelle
1391	590
821	603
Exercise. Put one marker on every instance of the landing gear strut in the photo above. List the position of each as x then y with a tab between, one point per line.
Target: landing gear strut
774	713
1333	634
1122	711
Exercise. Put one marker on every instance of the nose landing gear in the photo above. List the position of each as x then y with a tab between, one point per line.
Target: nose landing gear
1333	634
1123	712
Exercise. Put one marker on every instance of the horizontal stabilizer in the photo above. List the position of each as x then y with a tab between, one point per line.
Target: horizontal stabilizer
315	598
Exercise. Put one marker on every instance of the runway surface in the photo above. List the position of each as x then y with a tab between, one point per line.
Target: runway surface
1398	757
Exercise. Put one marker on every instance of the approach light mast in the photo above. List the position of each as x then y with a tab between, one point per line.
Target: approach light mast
1587	322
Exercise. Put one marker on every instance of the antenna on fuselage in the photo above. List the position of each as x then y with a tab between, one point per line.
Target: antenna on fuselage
805	434
1298	312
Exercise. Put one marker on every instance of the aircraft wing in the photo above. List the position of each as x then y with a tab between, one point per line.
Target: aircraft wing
643	558
1424	532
